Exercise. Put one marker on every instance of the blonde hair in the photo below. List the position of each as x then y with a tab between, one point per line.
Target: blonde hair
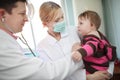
48	11
93	17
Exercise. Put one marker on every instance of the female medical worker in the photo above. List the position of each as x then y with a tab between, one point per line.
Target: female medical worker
13	64
57	44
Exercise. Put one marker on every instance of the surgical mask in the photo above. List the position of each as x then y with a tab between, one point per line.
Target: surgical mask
59	27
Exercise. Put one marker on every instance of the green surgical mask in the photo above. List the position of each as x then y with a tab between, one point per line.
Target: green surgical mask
59	27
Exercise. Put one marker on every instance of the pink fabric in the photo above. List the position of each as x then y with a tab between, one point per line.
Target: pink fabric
100	68
88	49
110	53
96	60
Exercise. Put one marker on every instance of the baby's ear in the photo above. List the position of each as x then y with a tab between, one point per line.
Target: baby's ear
92	24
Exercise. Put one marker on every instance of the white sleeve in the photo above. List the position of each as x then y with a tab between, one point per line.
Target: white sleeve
43	55
57	70
77	73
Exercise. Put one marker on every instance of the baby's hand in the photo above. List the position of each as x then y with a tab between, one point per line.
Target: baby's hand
76	56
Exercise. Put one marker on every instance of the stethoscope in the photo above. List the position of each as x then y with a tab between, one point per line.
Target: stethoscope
30	15
24	41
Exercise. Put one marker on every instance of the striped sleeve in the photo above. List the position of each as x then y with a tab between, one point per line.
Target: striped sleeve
89	48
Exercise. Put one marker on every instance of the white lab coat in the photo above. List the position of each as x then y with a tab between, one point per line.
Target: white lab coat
51	49
15	66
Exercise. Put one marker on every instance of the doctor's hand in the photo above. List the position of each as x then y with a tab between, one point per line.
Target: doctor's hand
76	56
99	75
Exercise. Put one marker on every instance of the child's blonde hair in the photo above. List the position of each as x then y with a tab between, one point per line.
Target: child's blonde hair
93	17
48	11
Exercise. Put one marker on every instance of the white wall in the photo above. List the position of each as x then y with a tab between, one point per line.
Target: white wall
82	5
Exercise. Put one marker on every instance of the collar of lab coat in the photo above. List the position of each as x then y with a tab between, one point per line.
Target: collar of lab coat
10	33
53	41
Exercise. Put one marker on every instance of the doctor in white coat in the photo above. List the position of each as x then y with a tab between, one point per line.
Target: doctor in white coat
13	64
58	43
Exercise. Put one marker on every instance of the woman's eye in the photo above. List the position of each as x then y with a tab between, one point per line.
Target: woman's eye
59	19
56	20
62	17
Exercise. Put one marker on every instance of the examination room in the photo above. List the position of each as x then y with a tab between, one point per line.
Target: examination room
59	40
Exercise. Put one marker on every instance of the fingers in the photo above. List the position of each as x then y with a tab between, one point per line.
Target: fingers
107	75
104	75
76	56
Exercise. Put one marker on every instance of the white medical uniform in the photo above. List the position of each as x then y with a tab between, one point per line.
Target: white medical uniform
15	66
51	49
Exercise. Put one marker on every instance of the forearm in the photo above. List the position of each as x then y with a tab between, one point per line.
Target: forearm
55	70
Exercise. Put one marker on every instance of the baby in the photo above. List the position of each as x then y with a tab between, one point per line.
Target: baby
95	49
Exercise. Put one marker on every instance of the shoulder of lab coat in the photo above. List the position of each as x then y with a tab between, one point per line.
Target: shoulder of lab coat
14	65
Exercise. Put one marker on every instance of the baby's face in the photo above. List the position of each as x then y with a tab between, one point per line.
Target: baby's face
84	26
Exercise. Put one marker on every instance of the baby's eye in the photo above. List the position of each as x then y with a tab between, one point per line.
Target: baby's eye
22	14
80	23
